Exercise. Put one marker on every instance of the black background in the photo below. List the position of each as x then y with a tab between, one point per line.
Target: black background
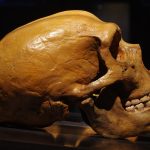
14	13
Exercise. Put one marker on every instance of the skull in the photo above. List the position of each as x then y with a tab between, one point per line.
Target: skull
74	54
121	105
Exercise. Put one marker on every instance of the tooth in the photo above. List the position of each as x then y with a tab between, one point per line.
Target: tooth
135	101
148	104
131	108
139	106
128	103
145	99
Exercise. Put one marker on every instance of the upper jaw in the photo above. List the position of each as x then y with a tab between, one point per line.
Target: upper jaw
136	102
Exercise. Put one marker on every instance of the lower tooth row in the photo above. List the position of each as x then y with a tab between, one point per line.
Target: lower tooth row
138	106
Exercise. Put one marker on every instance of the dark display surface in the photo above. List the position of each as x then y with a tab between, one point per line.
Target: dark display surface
65	135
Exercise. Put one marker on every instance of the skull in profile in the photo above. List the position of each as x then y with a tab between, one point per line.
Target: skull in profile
74	55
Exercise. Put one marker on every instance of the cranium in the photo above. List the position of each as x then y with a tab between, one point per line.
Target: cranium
74	54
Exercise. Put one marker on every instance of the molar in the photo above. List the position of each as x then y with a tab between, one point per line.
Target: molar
135	101
128	103
131	108
139	106
145	98
148	104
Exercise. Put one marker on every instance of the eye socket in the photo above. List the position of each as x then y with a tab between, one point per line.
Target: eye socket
115	43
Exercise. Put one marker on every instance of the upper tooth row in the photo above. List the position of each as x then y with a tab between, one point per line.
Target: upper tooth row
138	101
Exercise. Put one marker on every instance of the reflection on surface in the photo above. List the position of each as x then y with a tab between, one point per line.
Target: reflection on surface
82	136
65	135
109	144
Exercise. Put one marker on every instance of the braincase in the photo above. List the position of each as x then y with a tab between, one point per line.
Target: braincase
85	23
88	24
75	12
49	31
68	23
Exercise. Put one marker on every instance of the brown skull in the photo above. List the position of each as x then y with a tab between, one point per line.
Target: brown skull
73	54
121	108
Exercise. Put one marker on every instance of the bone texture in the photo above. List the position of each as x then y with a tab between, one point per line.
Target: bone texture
70	56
